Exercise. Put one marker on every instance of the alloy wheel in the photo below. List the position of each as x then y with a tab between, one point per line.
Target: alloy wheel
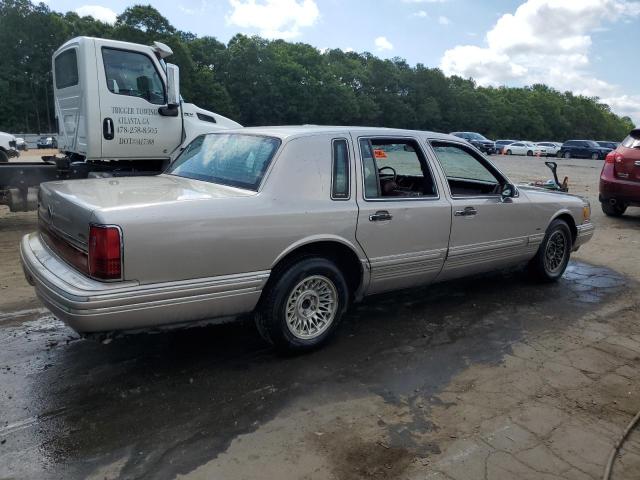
311	307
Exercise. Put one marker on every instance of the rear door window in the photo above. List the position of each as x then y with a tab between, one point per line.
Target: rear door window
66	69
395	168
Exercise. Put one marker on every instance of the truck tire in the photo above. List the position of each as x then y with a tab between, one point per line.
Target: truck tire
302	305
553	254
615	210
4	158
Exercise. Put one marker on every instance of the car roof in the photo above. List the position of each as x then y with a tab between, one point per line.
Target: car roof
290	131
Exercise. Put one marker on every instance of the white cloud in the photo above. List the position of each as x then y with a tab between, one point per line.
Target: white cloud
274	18
98	12
442	20
420	14
348	49
546	41
383	44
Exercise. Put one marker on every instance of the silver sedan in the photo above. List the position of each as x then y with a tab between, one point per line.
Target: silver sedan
291	224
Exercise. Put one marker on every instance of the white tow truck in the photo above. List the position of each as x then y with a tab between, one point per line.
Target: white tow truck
118	112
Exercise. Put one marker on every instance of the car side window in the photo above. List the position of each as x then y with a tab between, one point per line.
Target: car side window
132	74
467	173
395	168
340	170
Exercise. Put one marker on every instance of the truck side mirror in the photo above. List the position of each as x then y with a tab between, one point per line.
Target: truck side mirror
173	84
173	92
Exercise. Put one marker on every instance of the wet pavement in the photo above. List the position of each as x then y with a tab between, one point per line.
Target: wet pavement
172	401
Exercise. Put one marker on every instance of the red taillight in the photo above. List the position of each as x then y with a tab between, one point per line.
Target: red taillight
105	252
613	157
610	158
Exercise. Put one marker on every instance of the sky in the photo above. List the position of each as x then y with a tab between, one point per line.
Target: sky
589	47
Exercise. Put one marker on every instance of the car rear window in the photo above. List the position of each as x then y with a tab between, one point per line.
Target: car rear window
632	141
233	159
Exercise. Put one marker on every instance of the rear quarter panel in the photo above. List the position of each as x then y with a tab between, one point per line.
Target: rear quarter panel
205	238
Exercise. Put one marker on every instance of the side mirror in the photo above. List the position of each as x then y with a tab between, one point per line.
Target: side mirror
508	191
173	84
173	92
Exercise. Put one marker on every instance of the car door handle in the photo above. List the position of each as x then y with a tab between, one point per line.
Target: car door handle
467	212
107	129
380	216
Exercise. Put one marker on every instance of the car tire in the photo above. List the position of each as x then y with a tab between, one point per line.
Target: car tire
553	253
508	152
595	156
4	158
297	297
615	210
529	153
567	155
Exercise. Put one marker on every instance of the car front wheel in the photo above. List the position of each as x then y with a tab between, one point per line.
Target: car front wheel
302	305
4	158
508	152
567	154
553	254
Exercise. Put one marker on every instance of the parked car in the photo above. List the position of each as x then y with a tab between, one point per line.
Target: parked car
524	148
582	149
620	177
500	144
292	224
47	142
479	141
551	148
608	144
21	144
8	147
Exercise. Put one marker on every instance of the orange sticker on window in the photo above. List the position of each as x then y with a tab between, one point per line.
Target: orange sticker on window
377	153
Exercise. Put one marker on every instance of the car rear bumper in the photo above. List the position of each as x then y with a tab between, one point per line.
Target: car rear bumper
620	189
87	305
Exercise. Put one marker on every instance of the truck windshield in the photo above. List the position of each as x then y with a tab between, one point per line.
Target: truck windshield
237	160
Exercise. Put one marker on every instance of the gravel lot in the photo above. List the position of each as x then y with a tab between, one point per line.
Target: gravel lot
491	377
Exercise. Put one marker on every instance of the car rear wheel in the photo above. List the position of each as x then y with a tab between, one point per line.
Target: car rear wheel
567	155
4	158
508	152
595	156
553	254
615	210
302	305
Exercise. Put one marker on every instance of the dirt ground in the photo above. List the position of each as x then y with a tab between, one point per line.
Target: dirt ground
492	377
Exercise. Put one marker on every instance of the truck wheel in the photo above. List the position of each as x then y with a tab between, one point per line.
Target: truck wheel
4	158
615	210
553	254
302	305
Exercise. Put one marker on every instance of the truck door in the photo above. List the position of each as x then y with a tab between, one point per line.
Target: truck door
132	87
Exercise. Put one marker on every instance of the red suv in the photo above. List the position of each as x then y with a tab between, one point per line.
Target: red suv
620	176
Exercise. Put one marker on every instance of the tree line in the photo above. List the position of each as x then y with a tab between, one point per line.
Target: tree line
271	82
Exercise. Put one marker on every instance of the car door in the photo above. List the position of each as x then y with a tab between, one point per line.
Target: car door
487	230
403	220
131	90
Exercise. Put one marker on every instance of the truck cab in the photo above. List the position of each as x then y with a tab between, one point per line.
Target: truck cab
120	101
119	113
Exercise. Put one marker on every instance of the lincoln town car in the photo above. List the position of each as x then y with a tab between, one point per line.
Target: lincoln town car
291	225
